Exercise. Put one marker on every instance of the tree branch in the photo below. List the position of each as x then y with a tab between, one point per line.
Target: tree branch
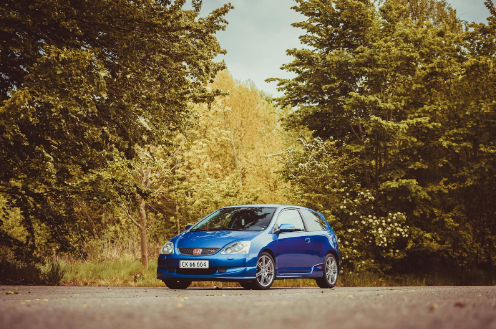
130	217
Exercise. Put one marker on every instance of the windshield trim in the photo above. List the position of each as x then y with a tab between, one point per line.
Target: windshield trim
195	227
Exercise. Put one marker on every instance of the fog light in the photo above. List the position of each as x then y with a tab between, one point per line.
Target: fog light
222	269
171	269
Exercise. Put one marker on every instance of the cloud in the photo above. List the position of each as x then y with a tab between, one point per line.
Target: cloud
260	32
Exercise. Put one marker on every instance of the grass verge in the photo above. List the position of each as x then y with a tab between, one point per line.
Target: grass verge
130	273
110	273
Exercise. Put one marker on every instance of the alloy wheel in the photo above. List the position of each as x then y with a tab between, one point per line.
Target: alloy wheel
265	271
331	271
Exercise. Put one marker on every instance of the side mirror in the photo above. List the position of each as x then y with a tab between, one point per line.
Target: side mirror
188	227
285	227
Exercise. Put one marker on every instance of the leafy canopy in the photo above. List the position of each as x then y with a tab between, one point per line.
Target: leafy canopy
404	90
85	82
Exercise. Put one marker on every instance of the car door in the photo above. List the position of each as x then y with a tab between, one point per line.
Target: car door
316	231
293	248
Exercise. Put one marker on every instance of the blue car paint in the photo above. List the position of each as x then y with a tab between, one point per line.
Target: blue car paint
295	256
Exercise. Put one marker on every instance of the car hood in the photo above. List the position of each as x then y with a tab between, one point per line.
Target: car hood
212	239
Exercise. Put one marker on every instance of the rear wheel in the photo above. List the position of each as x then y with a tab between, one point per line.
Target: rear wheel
330	277
177	284
265	272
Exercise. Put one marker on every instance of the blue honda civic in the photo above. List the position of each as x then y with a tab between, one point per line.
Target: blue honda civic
253	245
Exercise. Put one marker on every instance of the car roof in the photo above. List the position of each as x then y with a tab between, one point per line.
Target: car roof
278	206
265	205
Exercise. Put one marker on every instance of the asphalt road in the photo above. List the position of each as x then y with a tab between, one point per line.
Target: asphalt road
142	308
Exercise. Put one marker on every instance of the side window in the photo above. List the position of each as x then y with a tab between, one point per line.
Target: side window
314	222
291	216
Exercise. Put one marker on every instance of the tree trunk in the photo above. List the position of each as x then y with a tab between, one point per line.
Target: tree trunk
177	220
142	228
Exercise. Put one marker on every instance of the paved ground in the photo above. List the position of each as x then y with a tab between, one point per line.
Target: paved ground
142	308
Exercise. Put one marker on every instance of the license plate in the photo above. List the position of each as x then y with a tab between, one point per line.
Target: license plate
193	264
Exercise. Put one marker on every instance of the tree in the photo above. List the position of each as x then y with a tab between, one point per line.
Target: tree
225	156
83	84
399	86
323	176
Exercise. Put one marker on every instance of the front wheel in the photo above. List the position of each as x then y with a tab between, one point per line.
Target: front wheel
330	277
265	272
177	284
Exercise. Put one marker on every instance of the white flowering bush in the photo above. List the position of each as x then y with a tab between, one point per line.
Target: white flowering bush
368	241
369	237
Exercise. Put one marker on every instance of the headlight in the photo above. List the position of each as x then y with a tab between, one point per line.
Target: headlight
240	247
167	248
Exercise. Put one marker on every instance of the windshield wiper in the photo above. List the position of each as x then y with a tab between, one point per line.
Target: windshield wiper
217	229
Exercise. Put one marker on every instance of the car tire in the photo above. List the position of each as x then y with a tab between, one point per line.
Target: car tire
330	277
266	272
177	284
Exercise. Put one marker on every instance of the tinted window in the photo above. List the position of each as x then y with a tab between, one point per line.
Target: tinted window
291	217
236	219
314	222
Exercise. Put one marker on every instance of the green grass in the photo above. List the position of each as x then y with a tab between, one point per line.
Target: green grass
110	273
130	273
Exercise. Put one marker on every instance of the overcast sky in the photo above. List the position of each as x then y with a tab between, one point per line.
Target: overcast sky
260	31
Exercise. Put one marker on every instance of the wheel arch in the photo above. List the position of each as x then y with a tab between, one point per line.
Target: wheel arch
257	285
269	251
334	252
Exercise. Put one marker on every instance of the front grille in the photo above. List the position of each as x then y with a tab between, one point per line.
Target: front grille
205	251
196	271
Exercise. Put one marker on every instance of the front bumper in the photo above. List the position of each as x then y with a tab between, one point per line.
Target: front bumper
221	268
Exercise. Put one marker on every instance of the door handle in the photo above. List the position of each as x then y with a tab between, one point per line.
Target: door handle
307	240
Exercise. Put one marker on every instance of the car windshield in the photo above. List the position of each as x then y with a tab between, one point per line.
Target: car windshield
236	219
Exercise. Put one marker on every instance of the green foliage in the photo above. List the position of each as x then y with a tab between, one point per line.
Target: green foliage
323	177
222	157
112	126
84	84
131	273
110	273
405	91
13	271
52	273
225	153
